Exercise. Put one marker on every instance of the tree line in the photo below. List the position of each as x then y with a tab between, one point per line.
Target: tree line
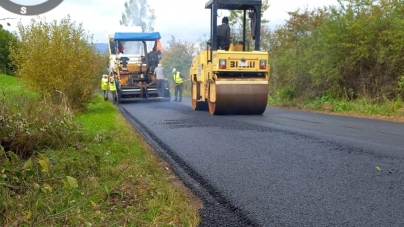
348	51
353	50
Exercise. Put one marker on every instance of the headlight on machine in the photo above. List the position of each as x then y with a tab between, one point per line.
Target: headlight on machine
263	64
222	63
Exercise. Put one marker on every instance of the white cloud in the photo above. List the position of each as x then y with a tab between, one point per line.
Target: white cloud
186	20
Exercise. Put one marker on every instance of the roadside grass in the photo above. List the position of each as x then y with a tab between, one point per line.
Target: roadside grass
388	110
12	87
96	172
9	84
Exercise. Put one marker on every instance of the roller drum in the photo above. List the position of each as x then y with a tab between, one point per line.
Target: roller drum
243	99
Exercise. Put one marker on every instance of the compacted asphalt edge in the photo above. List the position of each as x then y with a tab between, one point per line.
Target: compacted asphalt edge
217	210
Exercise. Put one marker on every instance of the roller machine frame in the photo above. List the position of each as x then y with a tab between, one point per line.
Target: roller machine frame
233	81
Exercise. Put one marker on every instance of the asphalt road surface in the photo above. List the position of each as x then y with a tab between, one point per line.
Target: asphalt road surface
282	168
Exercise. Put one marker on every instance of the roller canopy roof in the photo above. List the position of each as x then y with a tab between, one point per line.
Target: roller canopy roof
233	4
136	36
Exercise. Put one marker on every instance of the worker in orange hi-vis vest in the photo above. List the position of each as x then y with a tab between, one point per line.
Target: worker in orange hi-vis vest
159	48
120	47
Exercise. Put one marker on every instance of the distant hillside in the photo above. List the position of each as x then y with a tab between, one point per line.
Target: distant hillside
101	46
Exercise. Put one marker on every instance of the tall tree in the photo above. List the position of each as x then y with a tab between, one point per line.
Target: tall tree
179	55
6	38
138	13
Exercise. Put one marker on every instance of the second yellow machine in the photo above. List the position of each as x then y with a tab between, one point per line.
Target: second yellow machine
133	56
233	80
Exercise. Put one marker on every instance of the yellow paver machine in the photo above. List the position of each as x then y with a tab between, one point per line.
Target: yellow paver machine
133	57
233	80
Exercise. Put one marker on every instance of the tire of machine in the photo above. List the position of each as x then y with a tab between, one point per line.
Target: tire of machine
197	105
193	97
212	99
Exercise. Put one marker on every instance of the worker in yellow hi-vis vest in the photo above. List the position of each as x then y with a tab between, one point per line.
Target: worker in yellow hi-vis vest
112	89
178	79
104	86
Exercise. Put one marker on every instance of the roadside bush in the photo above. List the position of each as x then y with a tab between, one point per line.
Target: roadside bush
64	61
286	96
28	124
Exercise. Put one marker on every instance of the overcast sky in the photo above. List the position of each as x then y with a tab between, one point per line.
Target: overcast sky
186	20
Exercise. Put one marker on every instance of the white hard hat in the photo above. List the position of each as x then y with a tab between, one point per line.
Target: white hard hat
174	69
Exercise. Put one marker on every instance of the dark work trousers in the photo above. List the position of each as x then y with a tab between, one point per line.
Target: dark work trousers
178	91
105	94
113	93
160	87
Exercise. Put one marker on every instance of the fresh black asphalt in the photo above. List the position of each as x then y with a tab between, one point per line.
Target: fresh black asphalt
282	168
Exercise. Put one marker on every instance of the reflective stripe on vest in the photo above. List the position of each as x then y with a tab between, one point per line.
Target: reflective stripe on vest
177	78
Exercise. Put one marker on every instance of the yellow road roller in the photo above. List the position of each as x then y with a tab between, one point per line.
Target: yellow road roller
231	79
